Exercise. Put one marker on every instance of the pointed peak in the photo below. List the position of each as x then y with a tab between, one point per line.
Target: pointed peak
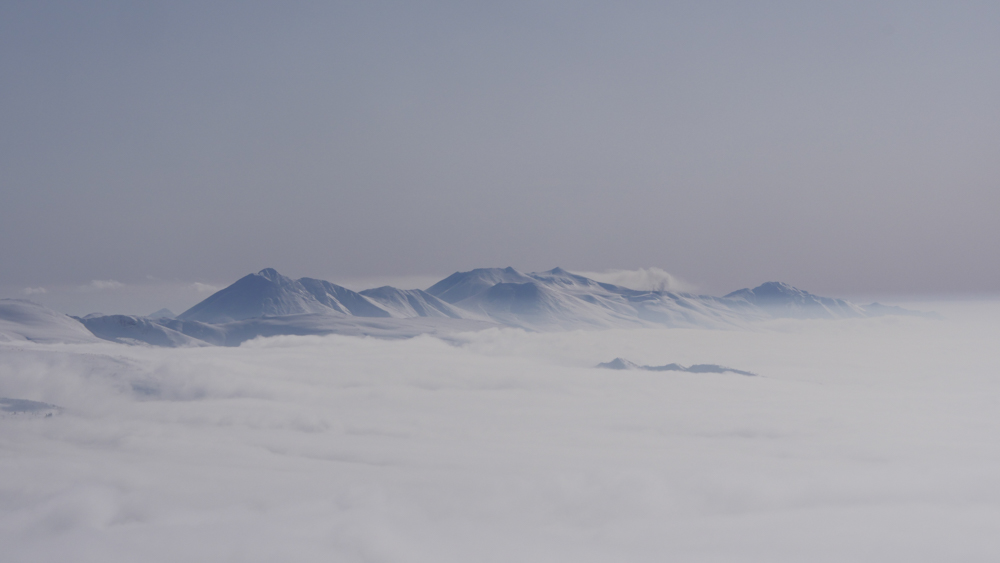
774	285
619	363
162	314
271	274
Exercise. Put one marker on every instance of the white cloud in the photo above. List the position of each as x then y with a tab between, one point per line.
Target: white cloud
204	287
860	436
100	285
650	279
34	290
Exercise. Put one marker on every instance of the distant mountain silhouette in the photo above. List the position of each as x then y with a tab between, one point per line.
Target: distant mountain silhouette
782	300
623	364
268	303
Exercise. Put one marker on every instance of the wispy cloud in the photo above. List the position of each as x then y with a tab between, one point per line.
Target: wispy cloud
650	279
100	285
204	287
34	290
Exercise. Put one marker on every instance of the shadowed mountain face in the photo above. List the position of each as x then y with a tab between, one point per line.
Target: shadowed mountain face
268	303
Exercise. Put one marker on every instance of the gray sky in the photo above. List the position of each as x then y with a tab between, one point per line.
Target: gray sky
845	148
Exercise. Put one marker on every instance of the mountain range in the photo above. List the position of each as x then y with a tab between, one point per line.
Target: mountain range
269	304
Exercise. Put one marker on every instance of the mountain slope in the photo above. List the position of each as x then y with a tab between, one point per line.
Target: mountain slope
409	303
129	329
22	320
342	299
266	293
782	300
268	304
560	299
462	285
270	294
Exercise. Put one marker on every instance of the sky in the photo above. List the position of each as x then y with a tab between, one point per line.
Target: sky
845	148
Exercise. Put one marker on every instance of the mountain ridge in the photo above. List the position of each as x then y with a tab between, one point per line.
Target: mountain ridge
268	303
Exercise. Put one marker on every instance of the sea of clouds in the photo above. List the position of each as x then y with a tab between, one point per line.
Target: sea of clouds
860	440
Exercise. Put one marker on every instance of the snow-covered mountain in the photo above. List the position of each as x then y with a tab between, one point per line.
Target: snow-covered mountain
623	364
129	329
268	304
22	320
341	299
462	285
266	293
560	299
782	300
270	294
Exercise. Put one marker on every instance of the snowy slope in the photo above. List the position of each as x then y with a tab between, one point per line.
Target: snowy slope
342	299
130	329
462	285
560	299
270	294
410	303
266	293
22	320
213	334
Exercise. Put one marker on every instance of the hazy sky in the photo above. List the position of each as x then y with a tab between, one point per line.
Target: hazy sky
842	147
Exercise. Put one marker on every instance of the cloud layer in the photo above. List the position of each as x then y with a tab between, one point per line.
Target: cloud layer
859	439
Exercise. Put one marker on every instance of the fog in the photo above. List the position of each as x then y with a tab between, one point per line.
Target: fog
863	439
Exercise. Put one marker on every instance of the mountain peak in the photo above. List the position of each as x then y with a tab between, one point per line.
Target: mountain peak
619	363
782	300
271	274
777	286
162	314
463	285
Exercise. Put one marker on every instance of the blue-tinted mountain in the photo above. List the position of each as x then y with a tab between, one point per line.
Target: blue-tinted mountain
270	294
782	300
462	285
558	299
623	364
268	304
